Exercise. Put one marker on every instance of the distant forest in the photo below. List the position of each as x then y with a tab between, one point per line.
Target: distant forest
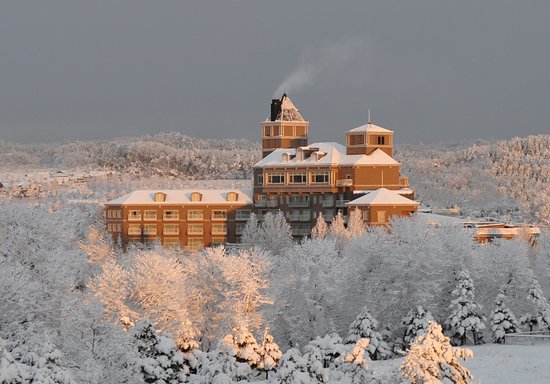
509	179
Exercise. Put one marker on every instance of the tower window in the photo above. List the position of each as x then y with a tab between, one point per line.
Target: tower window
381	140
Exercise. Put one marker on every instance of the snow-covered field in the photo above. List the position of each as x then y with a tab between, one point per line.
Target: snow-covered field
497	364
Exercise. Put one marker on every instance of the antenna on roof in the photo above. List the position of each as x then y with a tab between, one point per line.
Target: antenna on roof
368	118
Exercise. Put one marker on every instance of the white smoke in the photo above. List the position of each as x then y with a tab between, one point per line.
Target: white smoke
314	62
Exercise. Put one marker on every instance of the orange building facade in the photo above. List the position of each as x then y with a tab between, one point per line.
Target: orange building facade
303	180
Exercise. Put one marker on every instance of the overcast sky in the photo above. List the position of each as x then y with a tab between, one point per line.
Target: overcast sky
431	70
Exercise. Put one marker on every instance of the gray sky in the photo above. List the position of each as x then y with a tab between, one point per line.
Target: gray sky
431	70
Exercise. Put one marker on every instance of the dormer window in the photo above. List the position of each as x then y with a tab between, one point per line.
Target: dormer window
196	196
160	197
232	196
285	157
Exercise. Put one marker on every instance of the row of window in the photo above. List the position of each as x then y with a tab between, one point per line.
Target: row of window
295	178
137	215
193	244
294	200
288	131
170	229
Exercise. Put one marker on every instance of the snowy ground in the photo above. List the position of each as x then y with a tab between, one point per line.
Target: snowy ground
497	364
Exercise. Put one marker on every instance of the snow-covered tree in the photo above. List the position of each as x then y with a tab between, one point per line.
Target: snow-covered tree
356	225
187	344
432	359
529	321
465	313
295	368
354	363
328	348
275	232
160	361
416	323
366	327
502	319
221	367
244	345
251	233
337	228
536	295
320	230
270	354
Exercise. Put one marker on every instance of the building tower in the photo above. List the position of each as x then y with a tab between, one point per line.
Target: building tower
365	139
284	128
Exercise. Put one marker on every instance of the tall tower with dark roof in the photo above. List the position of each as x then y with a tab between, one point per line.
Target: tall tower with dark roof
284	127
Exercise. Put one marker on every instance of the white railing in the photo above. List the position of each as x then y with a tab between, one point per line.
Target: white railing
134	217
341	203
171	216
134	231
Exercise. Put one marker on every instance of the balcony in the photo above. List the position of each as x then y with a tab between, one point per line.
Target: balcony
171	231
300	232
242	215
219	216
219	231
149	231
171	216
194	216
134	217
341	203
134	231
300	217
195	231
344	183
272	203
328	203
299	203
260	203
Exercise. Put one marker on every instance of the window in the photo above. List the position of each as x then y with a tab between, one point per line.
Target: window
171	215
171	242
239	228
134	229
219	229
366	215
320	177
260	179
328	201
194	215
276	131
219	215
196	196
232	196
276	178
150	215
267	131
381	215
114	214
160	197
114	227
150	229
381	140
195	229
242	214
218	241
195	244
134	215
298	178
171	229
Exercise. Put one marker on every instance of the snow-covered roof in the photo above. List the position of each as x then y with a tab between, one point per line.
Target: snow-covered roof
175	197
319	154
287	111
382	196
370	128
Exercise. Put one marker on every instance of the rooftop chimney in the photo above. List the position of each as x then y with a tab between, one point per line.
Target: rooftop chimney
275	108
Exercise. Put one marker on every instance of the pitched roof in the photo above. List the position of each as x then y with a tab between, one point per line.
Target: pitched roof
323	154
287	111
370	128
383	196
175	197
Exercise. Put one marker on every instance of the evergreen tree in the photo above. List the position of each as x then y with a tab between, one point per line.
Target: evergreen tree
221	367
528	320
465	314
270	354
416	323
251	233
337	227
188	345
354	362
366	326
295	368
321	228
356	225
244	345
502	320
536	295
432	359
328	348
160	361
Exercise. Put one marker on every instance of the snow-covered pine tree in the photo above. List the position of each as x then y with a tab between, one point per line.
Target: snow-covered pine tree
528	320
295	368
536	295
366	326
354	362
329	348
270	354
502	319
465	312
337	227
221	367
244	345
187	344
432	359
321	228
356	226
416	323
160	361
251	233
